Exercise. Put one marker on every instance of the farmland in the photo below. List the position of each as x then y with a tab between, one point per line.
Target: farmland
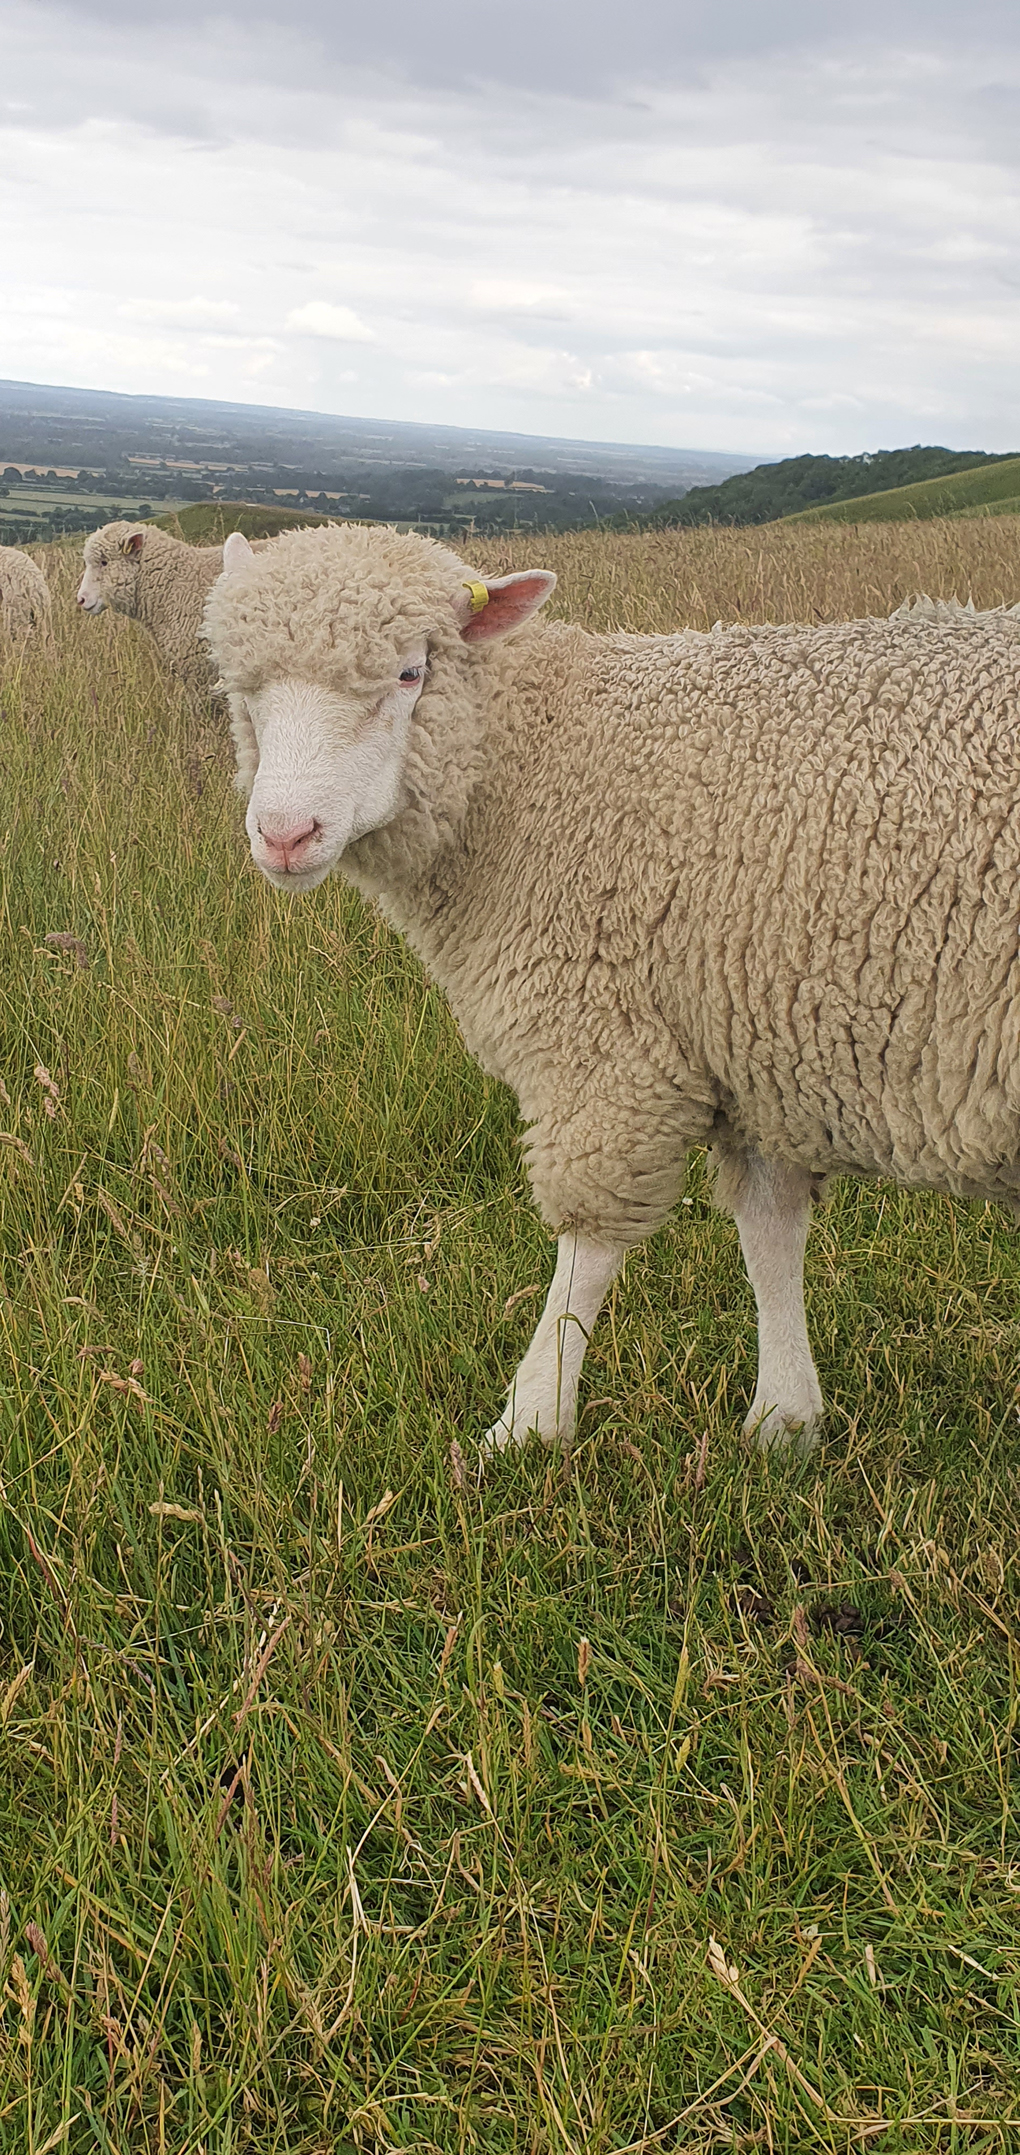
72	458
657	1798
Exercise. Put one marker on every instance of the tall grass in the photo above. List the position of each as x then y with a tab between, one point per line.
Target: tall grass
649	582
660	1798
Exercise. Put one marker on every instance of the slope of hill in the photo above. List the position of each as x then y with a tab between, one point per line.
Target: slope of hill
207	523
986	486
800	483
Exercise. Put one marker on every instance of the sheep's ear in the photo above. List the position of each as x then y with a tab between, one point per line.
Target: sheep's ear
491	607
133	543
236	554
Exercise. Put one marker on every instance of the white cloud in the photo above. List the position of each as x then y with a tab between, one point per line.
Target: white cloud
320	318
189	313
519	295
758	250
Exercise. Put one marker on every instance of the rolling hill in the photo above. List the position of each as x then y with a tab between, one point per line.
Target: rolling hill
800	483
208	523
984	489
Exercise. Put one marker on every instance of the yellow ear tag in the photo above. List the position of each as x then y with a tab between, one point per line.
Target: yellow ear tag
479	596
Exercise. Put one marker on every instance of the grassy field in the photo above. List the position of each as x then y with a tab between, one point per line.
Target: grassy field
655	581
660	1798
207	523
988	488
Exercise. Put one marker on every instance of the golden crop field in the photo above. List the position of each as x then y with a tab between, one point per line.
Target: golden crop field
651	582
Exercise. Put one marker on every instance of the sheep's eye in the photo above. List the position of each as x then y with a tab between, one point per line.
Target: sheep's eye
103	563
412	673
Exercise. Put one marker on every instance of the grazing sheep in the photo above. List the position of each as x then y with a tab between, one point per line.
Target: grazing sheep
160	581
24	593
757	889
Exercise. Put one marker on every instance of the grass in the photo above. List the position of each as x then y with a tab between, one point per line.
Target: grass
661	1798
649	582
208	523
959	492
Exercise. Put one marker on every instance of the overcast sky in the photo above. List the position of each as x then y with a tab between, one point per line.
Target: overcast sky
730	226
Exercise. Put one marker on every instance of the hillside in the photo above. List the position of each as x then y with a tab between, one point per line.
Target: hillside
800	483
207	523
990	487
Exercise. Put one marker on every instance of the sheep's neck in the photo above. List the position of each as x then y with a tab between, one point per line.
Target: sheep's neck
430	868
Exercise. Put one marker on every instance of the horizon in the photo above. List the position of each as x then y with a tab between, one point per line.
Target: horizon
732	228
366	419
354	419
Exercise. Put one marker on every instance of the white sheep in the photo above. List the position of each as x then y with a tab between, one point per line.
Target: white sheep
143	572
24	593
757	889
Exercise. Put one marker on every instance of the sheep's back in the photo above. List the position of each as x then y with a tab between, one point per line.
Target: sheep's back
763	879
24	592
850	822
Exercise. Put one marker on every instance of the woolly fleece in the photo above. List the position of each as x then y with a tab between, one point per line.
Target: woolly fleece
24	593
758	888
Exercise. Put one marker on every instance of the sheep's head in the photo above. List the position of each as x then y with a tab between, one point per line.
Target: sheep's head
325	644
112	557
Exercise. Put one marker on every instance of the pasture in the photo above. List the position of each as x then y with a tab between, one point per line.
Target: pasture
660	1798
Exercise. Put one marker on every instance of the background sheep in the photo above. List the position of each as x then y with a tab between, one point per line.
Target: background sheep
24	593
160	581
758	888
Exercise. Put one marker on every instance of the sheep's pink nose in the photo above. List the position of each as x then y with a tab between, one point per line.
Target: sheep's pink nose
285	848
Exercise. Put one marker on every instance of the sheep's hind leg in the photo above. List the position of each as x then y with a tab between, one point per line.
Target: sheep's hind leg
772	1207
543	1395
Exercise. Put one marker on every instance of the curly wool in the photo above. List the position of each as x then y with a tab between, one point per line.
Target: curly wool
24	593
758	887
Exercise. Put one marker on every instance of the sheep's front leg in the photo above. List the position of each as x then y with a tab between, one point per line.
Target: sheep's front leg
543	1395
772	1209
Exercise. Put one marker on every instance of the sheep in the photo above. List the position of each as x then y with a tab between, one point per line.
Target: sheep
160	581
757	889
24	593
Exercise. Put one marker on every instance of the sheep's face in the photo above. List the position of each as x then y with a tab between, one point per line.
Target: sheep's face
111	569
323	645
330	768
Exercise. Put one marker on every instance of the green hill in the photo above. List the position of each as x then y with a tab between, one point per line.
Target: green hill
987	488
208	523
799	483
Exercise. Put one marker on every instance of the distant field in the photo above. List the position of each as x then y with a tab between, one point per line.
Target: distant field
25	509
987	487
347	1807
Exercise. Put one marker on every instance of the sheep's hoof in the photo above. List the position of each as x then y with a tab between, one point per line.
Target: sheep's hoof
520	1421
502	1437
793	1428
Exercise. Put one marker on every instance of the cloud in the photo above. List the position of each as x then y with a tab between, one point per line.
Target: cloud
519	295
726	227
193	313
577	49
320	318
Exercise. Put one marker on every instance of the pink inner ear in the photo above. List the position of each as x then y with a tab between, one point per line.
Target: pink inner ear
510	603
135	542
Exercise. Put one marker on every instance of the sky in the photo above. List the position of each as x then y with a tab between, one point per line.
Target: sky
759	229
